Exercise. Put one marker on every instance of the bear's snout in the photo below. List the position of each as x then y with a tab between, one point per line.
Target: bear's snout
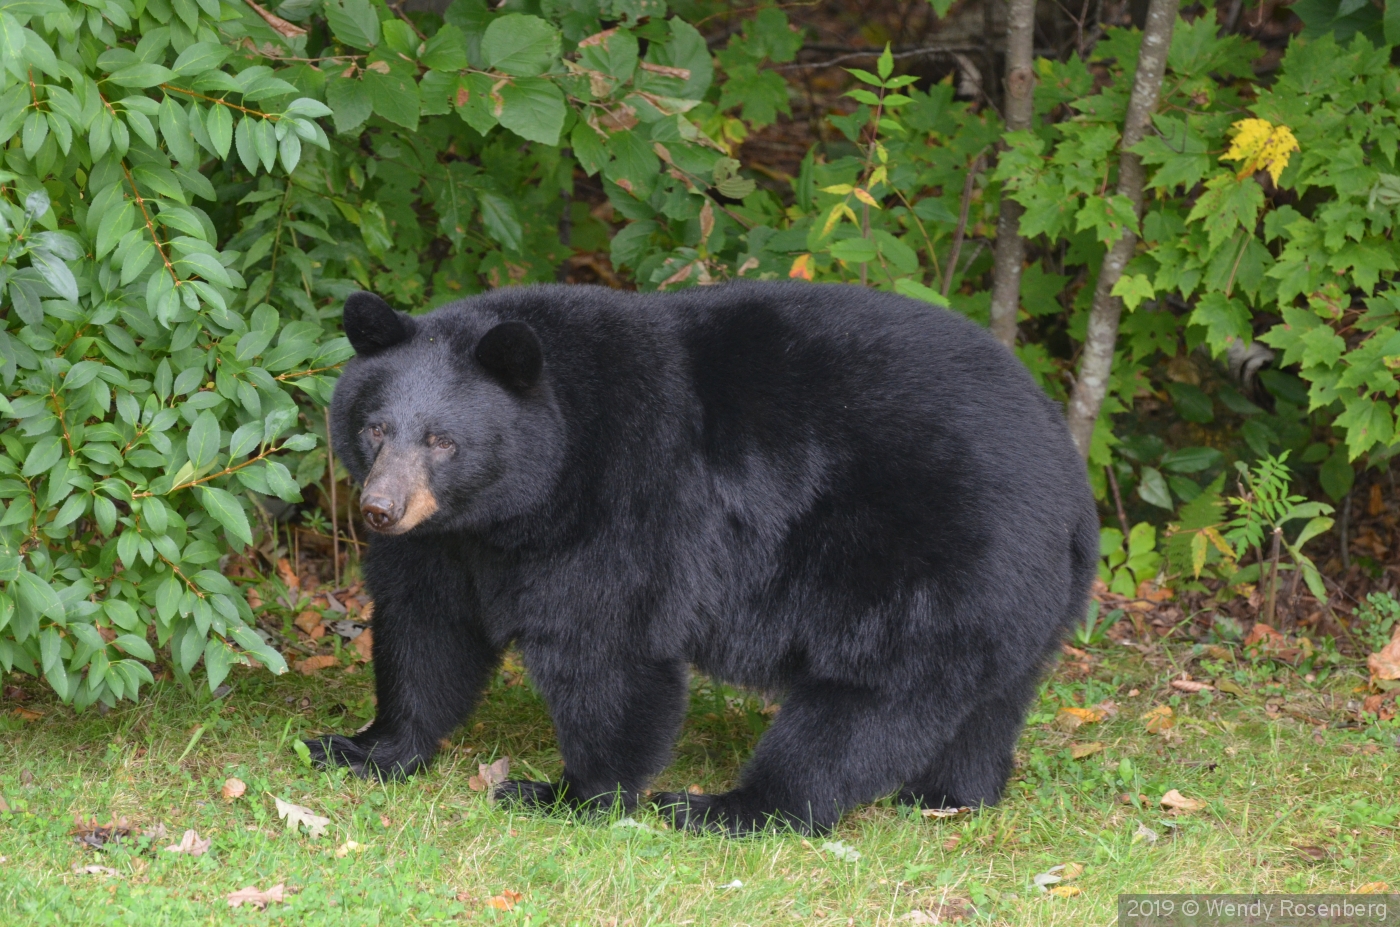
398	495
380	513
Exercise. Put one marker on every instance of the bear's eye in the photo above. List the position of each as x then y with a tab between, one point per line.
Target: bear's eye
376	431
438	441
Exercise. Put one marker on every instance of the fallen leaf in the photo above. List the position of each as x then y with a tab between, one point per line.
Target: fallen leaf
4	805
1262	634
945	812
97	836
312	664
1079	751
28	714
1065	891
255	599
504	901
489	775
1373	888
842	851
15	693
1108	706
1188	685
1071	717
694	789
1312	854
310	622
952	842
96	870
288	576
255	897
1144	832
1176	803
1158	719
948	910
295	814
363	644
348	847
1384	663
1230	686
233	788
190	845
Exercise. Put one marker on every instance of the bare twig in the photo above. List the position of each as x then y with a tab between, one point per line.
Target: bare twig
335	518
1271	594
969	182
1118	500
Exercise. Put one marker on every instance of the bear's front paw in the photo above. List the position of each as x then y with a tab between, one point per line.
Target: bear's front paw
377	760
523	793
732	813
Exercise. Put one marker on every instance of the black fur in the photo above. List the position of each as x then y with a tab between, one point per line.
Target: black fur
846	496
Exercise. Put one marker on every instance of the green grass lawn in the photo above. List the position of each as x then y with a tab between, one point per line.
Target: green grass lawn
1291	805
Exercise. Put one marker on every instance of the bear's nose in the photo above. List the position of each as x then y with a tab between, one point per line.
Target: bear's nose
379	512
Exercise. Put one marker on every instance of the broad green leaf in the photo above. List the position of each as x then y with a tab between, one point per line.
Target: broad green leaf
203	442
532	108
354	22
226	510
520	45
350	102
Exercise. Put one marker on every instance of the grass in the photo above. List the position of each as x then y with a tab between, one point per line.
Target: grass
434	850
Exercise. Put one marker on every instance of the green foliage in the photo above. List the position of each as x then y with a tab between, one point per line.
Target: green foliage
1377	618
1127	563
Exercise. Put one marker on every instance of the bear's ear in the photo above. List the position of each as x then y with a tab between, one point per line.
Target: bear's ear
372	325
512	353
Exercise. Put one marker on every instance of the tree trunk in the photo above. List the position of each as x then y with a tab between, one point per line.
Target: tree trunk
1017	109
1097	359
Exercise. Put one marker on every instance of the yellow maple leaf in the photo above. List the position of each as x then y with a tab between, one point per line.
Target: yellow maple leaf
1261	145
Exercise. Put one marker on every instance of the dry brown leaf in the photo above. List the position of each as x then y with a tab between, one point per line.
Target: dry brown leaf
1158	719
489	775
504	901
96	870
308	621
312	664
1312	854
666	71
255	599
1262	634
233	788
257	898
28	714
314	823
1176	803
1385	663
1065	891
190	845
1376	504
1079	751
288	576
363	644
4	805
694	789
1373	888
283	28
945	812
1071	717
1190	685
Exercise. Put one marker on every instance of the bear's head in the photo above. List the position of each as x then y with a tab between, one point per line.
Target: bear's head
446	420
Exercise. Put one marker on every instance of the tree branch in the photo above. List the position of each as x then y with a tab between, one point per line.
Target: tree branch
1096	361
1018	109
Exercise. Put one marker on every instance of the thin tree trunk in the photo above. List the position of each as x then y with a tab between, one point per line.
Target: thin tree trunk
1097	358
1017	109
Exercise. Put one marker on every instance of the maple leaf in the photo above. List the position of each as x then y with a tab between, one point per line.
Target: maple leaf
296	815
1261	145
190	844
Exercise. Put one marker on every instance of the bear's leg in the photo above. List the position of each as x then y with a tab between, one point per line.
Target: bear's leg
972	768
616	725
431	663
832	747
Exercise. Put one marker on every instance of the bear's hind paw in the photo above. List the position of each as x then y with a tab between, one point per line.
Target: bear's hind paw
729	814
372	762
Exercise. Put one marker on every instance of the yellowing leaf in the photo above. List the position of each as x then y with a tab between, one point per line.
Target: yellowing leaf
840	189
802	267
1080	751
865	197
1261	145
1065	891
1071	717
1176	803
1159	719
1373	888
505	900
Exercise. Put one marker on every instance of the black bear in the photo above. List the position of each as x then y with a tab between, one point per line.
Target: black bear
855	499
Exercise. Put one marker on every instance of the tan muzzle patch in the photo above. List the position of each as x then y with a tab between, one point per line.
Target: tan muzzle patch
400	478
